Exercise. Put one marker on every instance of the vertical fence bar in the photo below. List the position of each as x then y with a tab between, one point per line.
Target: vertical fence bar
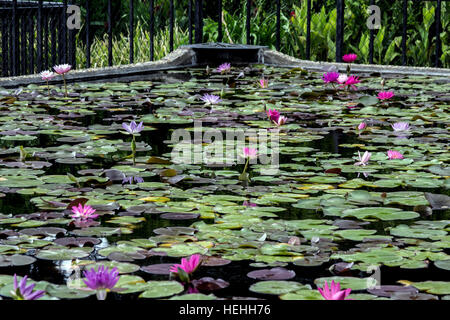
45	62
39	36
198	21
31	42
371	39
110	55
60	36
15	40
152	30
248	21
4	47
438	33
278	43
10	60
171	25
88	36
308	30
64	32
219	22
338	31
72	44
405	21
131	31
190	20
23	44
53	38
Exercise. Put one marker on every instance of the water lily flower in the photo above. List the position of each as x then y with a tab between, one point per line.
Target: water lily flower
263	83
249	204
280	121
133	128
384	95
47	75
350	57
23	292
250	153
334	292
63	69
362	126
101	280
224	68
273	114
342	78
187	267
330	77
210	99
400	126
351	81
130	179
83	212
364	159
392	154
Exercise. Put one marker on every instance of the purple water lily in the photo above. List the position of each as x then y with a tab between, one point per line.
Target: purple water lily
133	128
400	126
130	180
210	99
23	292
224	68
101	280
330	77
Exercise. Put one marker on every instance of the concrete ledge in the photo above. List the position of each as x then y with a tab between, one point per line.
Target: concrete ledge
276	58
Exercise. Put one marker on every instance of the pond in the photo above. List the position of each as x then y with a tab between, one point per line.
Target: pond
311	211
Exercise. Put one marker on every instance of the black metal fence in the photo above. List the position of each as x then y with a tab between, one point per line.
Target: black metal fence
35	34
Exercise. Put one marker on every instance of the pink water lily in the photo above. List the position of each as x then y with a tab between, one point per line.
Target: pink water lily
249	204
334	292
62	68
350	57
351	81
224	68
392	154
330	77
364	159
83	212
400	126
23	292
362	126
385	95
342	78
250	152
188	265
47	75
263	83
280	121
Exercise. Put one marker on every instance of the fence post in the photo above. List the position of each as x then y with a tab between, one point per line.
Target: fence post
131	31
15	40
308	30
248	21
64	32
171	24
278	43
88	38
198	21
4	47
371	39
219	22
438	33
339	23
110	55
152	30
31	42
39	36
190	20
405	21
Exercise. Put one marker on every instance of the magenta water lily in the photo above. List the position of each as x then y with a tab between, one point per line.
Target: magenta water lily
330	77
350	57
334	292
273	114
83	212
23	292
133	129
351	81
362	126
101	280
248	153
263	83
187	267
385	95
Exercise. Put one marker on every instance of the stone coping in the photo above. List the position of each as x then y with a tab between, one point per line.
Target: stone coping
184	57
